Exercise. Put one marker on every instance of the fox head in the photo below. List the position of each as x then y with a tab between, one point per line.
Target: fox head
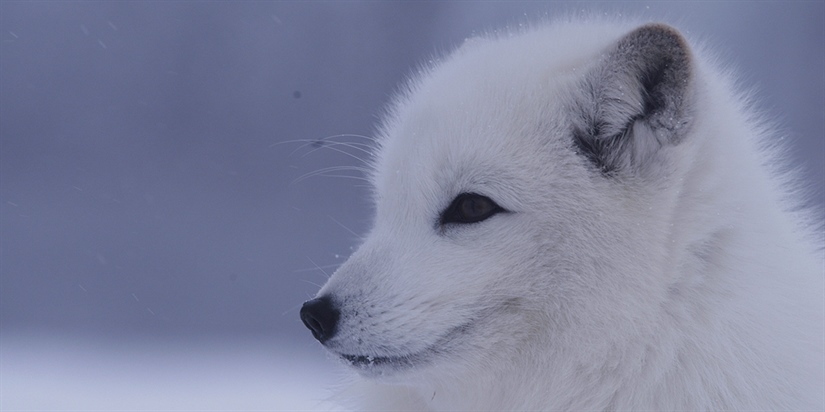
510	185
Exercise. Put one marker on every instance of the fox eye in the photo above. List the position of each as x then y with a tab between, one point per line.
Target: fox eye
469	208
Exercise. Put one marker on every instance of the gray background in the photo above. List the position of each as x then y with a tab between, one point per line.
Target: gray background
145	194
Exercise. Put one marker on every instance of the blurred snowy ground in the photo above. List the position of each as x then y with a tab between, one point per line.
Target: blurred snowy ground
59	373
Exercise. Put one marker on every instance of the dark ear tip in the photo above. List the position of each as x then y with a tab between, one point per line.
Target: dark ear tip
659	29
659	36
660	54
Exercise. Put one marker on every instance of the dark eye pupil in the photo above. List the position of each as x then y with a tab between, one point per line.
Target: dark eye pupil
470	208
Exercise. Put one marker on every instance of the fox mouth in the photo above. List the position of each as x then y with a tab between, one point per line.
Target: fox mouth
367	362
370	365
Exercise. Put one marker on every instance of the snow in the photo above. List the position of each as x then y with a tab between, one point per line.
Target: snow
56	373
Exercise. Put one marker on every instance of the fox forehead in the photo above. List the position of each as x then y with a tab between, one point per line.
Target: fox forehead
425	165
433	155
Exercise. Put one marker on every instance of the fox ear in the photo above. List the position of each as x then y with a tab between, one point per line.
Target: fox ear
637	100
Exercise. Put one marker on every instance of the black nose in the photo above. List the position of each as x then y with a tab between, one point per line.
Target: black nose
321	317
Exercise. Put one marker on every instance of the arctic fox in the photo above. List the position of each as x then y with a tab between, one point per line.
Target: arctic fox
580	216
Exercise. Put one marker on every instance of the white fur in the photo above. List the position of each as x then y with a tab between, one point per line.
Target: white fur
689	281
